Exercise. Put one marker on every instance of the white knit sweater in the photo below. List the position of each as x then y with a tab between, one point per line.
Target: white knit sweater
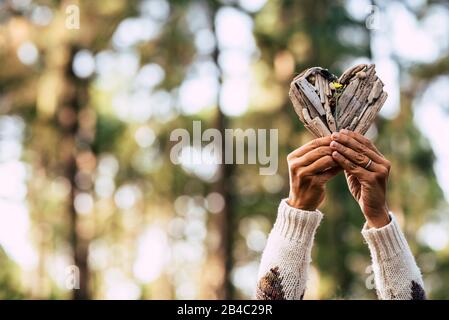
287	256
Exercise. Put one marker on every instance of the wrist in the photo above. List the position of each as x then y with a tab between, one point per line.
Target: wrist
298	204
378	219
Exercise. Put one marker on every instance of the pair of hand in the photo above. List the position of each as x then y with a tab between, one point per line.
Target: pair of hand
366	169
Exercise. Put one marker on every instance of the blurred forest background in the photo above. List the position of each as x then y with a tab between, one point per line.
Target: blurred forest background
85	119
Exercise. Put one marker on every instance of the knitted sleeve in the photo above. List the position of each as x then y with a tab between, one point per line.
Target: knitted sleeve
396	275
287	255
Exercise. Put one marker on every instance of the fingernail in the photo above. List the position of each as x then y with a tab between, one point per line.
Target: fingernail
335	135
335	154
334	144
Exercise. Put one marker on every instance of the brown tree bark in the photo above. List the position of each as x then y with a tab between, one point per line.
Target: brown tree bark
76	100
224	221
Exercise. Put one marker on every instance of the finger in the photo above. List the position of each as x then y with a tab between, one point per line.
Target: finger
365	141
329	174
310	157
348	165
362	139
316	143
356	146
358	158
319	166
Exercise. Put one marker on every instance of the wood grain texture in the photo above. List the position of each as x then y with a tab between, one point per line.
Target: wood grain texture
326	105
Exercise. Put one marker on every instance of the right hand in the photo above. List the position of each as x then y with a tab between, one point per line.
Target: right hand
310	167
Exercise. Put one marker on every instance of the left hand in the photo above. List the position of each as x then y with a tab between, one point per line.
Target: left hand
366	171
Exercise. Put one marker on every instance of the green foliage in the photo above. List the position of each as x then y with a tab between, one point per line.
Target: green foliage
9	280
307	32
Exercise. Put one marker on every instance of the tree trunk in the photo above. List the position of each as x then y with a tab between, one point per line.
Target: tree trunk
224	220
76	100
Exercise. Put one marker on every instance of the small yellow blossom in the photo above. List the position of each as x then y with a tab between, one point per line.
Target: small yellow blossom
337	85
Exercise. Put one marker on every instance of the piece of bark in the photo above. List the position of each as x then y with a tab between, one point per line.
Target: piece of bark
361	74
347	112
310	71
309	92
368	81
354	123
329	117
327	88
376	91
309	123
297	105
370	114
367	105
323	109
299	96
349	73
320	81
317	83
323	87
357	102
343	102
321	127
366	89
310	107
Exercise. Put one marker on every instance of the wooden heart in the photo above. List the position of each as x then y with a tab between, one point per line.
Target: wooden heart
325	103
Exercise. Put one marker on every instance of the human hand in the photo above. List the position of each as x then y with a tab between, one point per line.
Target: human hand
310	167
366	171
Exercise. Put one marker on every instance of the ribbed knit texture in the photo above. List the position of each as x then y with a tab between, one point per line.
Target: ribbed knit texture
287	256
395	271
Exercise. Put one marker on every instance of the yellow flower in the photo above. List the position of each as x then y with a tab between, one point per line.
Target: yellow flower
337	85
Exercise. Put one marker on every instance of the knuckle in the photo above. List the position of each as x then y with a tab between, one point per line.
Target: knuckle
330	162
359	158
363	149
325	160
352	165
362	137
293	165
338	159
340	147
380	175
383	172
323	151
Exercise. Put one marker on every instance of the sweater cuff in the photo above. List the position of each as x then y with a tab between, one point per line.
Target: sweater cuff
296	224
387	241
